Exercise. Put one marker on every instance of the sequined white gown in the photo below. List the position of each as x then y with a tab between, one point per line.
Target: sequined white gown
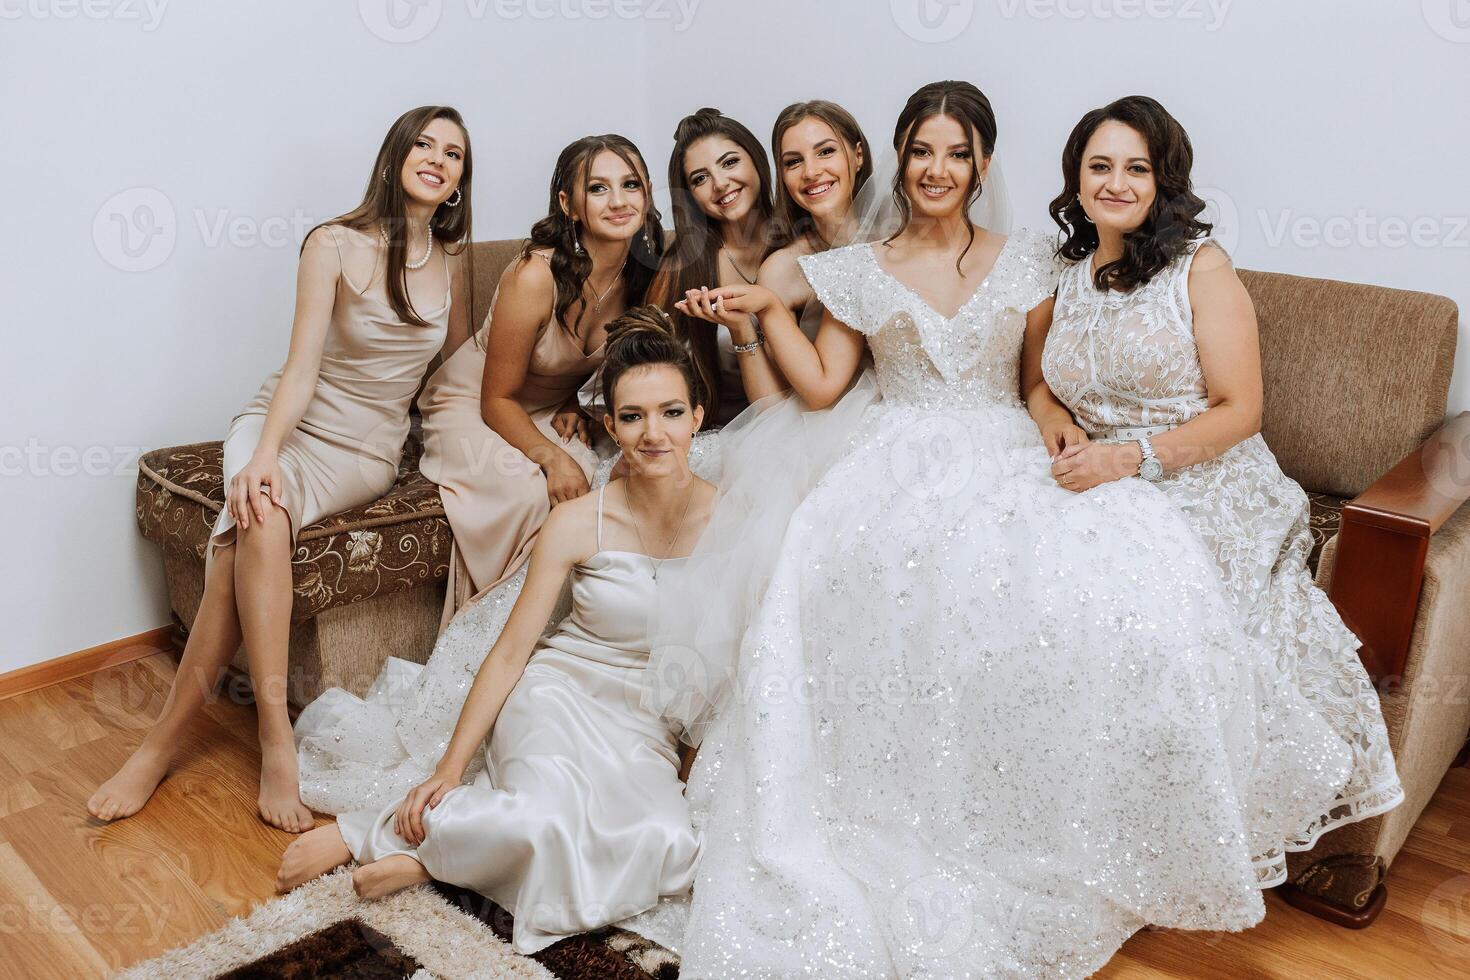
1129	359
983	726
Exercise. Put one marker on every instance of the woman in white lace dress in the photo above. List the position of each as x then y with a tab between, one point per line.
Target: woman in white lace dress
1153	348
978	726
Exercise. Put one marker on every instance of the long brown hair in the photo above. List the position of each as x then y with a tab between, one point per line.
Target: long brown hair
557	230
385	205
960	101
796	221
1173	220
694	261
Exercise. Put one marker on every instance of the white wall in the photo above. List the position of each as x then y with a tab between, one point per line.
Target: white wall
267	116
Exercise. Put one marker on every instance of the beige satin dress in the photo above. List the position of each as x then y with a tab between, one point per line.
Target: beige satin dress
578	818
494	496
345	450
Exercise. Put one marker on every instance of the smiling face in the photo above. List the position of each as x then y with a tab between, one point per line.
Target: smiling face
432	169
1116	186
721	177
653	419
941	167
612	200
818	168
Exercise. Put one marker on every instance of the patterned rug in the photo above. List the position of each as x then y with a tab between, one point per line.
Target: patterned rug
430	931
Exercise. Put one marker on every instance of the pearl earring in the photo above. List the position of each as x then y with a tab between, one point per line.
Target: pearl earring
458	196
385	175
576	242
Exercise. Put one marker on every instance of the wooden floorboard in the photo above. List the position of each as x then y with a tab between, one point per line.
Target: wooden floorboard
82	899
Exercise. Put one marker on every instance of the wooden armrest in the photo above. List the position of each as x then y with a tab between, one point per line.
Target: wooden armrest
1383	540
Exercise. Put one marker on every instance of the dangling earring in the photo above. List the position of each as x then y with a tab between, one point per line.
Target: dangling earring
576	242
457	198
647	241
1078	199
385	175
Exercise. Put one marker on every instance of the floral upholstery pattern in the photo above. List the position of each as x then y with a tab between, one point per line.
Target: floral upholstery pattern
394	544
1326	518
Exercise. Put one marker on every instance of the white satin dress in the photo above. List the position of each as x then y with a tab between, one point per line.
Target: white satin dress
578	818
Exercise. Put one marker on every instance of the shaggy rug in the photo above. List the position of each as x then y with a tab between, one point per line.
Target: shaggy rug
322	929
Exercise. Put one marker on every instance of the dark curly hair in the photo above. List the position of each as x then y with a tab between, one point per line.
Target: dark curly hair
556	231
641	337
1173	220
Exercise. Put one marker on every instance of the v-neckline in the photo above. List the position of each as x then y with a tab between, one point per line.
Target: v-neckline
980	288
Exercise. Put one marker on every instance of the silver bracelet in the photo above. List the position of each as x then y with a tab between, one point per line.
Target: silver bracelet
759	341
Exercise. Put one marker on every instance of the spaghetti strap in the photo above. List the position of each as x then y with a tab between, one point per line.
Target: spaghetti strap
600	491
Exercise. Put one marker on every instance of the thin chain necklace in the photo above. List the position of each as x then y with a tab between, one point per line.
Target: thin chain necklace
597	306
427	252
657	562
738	271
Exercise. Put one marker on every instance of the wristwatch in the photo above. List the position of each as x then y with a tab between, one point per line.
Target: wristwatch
1149	467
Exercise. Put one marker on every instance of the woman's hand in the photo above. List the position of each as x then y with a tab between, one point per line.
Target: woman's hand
732	306
1090	464
408	822
564	479
1062	435
244	495
569	422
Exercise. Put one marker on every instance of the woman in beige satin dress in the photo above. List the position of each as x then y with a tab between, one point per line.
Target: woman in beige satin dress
575	817
503	437
324	434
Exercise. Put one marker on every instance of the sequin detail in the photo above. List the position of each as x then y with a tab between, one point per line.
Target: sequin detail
1126	359
982	726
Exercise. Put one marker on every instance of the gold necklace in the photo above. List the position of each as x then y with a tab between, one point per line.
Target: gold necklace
657	562
597	306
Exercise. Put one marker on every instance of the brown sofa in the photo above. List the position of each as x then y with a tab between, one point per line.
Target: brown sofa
1356	381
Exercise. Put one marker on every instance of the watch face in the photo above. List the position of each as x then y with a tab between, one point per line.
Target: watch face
1151	470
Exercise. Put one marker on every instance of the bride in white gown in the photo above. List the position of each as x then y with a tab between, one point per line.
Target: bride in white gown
978	725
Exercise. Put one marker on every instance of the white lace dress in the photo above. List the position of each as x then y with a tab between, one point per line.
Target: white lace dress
1129	359
982	726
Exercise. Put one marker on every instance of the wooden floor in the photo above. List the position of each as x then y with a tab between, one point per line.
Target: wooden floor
80	899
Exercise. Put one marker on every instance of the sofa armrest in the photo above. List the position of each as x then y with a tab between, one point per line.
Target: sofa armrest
1384	537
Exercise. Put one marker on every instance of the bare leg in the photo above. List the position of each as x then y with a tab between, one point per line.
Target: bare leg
311	855
212	643
263	597
392	874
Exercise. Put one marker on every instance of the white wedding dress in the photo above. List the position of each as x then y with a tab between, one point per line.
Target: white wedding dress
978	725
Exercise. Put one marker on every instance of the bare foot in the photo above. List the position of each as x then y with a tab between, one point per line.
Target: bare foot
311	855
382	878
130	787
280	794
